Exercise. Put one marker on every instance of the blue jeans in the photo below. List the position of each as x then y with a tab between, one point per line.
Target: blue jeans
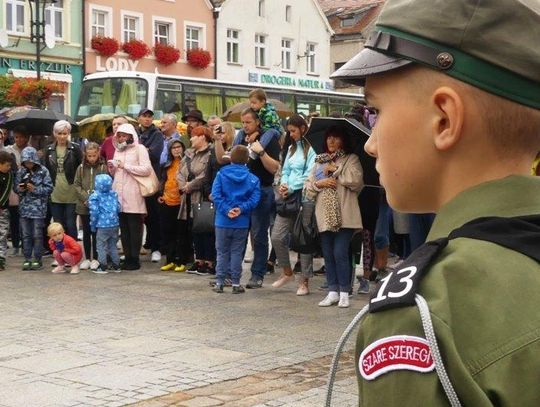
419	226
32	237
335	248
230	245
382	228
260	222
106	245
64	213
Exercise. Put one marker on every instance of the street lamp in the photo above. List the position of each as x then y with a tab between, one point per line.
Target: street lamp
37	28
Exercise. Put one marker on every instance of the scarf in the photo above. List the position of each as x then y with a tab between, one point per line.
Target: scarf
329	196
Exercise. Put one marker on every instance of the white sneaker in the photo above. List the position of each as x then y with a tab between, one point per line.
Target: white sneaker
156	256
75	269
94	264
85	265
54	263
331	299
343	300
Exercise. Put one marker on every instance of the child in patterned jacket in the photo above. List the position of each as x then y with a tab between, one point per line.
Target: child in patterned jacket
104	208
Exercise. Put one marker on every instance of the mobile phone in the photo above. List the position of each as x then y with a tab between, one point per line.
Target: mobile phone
218	129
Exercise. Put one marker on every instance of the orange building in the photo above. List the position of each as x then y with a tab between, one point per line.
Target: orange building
181	24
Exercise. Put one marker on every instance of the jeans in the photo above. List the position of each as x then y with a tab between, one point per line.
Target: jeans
382	229
419	226
64	213
230	245
32	233
106	245
335	248
260	222
89	239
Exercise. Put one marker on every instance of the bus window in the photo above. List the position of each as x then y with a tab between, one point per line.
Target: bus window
112	95
286	98
234	96
206	99
168	98
341	105
306	104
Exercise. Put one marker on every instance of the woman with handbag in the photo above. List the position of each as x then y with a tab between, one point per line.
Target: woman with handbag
334	183
130	160
195	209
298	162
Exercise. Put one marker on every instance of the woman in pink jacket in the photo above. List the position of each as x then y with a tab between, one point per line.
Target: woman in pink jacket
130	158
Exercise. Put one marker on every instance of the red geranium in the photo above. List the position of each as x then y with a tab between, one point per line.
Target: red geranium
166	54
198	58
28	91
105	46
136	49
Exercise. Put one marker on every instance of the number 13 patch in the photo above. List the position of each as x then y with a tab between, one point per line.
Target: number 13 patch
399	288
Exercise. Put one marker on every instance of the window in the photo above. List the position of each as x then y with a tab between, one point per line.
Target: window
54	14
162	32
288	11
193	37
261	8
311	66
286	53
101	25
15	16
260	50
348	22
131	26
233	46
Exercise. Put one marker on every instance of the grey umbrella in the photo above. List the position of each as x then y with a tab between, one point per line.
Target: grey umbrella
38	121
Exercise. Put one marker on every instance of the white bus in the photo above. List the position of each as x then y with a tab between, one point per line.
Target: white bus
126	92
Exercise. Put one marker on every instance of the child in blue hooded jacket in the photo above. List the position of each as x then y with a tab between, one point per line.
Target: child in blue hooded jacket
235	193
104	209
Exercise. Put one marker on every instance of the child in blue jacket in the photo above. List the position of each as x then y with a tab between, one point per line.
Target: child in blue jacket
104	208
235	193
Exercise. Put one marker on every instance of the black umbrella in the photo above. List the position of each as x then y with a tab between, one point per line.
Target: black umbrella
357	134
38	121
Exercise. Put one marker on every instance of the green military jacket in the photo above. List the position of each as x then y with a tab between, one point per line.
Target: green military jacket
484	302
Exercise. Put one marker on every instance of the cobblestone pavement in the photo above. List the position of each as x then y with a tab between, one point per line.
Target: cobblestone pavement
152	338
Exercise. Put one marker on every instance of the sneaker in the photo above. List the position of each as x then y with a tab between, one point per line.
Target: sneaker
14	252
156	256
364	285
115	268
343	300
168	267
331	299
238	289
193	268
36	265
270	268
254	282
85	265
58	270
99	270
218	288
54	263
180	268
226	283
75	269
320	271
27	265
203	270
94	264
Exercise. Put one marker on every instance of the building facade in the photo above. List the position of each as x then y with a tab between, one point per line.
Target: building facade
284	43
183	24
352	21
61	60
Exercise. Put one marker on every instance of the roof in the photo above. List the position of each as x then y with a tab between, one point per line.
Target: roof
365	13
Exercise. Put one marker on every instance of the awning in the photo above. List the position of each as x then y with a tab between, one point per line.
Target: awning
53	76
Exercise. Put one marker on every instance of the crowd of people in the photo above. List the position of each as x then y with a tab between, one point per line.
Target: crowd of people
239	175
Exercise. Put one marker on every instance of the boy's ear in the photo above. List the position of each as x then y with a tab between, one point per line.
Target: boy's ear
449	116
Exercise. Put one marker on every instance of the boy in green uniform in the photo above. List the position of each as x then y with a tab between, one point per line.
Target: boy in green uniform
456	84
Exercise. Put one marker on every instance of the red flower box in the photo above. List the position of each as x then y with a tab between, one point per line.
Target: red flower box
33	92
105	46
166	54
136	49
198	58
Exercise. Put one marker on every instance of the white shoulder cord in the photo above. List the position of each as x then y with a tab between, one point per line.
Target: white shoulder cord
435	354
430	337
339	349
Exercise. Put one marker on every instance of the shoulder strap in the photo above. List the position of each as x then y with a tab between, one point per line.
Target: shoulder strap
398	289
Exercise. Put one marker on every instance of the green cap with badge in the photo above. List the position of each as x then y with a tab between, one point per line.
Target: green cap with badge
490	44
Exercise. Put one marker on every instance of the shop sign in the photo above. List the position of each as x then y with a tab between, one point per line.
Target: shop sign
289	81
115	64
11	63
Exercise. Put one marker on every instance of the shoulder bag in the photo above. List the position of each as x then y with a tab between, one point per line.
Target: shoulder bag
148	184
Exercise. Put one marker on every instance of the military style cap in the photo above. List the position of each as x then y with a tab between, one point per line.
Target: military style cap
490	44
